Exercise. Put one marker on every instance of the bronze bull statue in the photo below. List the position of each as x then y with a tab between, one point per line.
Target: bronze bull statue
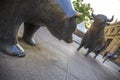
94	37
58	16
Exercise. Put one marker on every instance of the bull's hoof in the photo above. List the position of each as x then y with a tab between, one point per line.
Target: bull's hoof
13	50
86	55
78	49
30	41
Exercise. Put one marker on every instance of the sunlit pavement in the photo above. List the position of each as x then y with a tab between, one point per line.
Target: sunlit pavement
52	59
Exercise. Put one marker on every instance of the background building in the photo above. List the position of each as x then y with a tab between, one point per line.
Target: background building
112	37
80	30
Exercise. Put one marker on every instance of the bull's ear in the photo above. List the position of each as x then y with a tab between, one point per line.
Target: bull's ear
77	14
107	24
110	20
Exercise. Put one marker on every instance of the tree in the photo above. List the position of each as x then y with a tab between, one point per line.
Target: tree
85	9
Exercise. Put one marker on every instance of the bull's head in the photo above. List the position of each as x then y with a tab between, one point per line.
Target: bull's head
99	19
61	19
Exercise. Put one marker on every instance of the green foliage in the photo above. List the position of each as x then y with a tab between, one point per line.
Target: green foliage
84	8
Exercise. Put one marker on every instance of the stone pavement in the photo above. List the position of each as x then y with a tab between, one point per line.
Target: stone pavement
52	59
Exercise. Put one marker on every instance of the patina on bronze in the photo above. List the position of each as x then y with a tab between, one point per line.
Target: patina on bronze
94	37
58	16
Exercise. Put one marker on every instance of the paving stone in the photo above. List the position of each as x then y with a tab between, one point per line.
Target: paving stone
52	59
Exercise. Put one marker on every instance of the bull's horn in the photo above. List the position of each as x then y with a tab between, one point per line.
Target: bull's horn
93	15
77	14
110	20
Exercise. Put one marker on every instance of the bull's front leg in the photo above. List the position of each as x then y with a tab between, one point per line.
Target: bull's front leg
79	48
97	53
81	45
88	52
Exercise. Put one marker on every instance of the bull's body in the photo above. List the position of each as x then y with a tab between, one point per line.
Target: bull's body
94	37
58	16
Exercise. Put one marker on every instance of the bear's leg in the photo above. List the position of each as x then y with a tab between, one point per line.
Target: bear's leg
29	30
8	40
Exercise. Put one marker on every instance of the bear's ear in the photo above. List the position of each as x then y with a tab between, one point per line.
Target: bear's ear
77	14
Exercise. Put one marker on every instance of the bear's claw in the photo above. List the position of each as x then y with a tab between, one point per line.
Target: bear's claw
30	41
13	50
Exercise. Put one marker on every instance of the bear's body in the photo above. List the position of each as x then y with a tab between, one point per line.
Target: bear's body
57	15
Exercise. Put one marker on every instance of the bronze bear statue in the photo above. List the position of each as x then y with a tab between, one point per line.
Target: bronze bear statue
58	16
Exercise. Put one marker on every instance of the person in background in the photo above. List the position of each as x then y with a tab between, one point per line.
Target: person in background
105	54
110	56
